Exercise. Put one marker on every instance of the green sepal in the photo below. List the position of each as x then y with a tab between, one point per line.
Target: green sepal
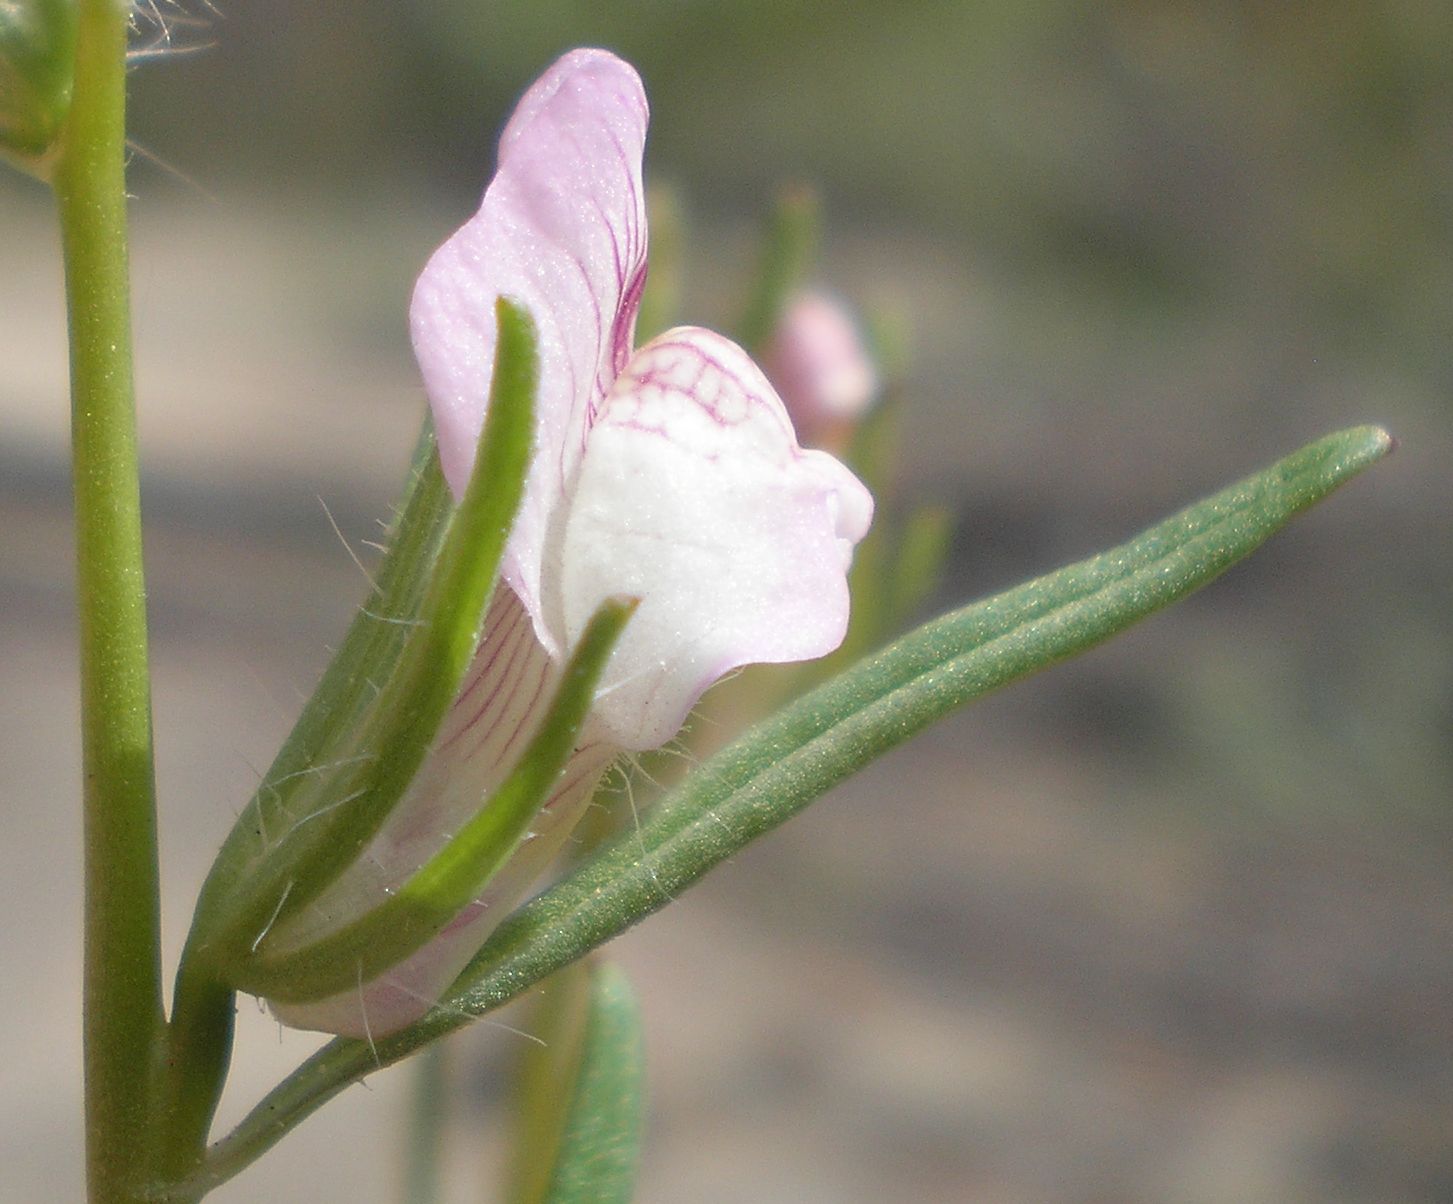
37	66
789	246
581	1091
200	1035
369	652
411	917
335	806
783	764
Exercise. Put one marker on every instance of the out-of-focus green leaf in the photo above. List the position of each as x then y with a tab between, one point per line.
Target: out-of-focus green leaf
37	62
428	1121
922	545
581	1092
661	302
788	248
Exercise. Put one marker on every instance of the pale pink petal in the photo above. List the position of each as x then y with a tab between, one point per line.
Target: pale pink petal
694	496
561	230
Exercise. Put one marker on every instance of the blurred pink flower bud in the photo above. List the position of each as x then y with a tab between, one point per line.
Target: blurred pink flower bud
669	473
820	365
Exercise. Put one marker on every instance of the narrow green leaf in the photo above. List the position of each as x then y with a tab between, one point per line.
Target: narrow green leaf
787	251
343	804
922	547
780	766
579	1120
407	920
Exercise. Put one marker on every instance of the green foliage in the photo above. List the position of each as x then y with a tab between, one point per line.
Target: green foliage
406	920
661	301
789	247
581	1092
897	566
787	761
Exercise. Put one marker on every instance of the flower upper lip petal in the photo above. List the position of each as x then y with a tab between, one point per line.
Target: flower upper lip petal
672	473
562	230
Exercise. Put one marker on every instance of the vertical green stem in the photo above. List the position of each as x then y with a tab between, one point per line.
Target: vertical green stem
123	1012
428	1115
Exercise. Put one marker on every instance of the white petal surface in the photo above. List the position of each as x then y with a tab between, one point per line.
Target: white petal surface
694	496
562	230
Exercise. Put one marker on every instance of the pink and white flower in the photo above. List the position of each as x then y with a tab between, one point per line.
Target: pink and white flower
670	473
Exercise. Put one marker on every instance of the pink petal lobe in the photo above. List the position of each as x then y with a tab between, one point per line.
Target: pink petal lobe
561	230
694	496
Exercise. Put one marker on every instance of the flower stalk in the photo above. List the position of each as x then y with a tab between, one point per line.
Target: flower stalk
787	250
123	1010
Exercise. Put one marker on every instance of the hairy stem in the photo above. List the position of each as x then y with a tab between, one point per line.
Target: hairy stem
123	1011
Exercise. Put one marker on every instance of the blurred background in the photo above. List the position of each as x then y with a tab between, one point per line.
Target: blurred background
1173	922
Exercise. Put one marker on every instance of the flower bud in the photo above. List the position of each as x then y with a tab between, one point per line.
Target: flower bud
37	53
819	363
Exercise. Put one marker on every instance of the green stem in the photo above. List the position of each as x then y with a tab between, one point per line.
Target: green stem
123	1011
192	1071
428	1114
787	253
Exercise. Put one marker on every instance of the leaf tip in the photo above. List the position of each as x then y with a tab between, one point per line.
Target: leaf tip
1366	445
1347	453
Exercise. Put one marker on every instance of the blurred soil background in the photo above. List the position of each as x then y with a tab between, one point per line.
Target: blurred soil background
1171	923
